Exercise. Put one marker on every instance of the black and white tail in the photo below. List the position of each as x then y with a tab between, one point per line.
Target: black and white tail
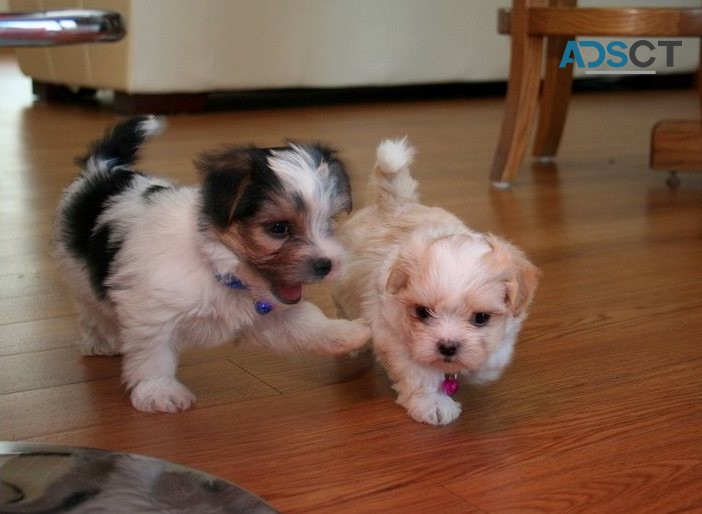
121	143
391	181
79	235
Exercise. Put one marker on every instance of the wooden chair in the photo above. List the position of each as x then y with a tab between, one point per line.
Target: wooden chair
529	23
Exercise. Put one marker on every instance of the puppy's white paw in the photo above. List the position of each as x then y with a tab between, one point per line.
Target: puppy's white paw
161	395
435	409
349	336
93	342
96	347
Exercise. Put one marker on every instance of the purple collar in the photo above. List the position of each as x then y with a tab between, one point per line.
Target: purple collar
230	280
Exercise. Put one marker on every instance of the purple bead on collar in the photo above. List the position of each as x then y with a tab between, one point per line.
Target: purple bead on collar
262	307
450	384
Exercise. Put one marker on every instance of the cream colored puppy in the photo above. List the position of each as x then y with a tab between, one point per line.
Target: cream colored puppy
442	300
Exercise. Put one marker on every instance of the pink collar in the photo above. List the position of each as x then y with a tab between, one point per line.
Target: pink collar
450	383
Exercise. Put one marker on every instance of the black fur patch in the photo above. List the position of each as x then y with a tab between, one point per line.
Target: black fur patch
75	499
241	175
151	190
80	217
235	174
120	144
100	257
219	191
263	186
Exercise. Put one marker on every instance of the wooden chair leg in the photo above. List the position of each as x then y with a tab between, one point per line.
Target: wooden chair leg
558	83
522	96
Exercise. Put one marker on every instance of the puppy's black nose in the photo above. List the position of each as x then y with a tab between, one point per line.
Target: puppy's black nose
321	267
448	348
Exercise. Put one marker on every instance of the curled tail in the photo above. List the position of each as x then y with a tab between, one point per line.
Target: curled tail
121	143
81	230
391	181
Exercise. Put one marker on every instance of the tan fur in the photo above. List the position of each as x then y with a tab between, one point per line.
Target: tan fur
425	282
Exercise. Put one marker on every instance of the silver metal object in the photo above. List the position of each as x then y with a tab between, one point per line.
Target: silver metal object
46	478
68	27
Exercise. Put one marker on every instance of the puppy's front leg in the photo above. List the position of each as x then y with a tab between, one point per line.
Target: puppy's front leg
418	388
304	327
420	393
149	368
427	406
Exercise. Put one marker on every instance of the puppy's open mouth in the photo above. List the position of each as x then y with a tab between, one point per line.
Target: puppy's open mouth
287	294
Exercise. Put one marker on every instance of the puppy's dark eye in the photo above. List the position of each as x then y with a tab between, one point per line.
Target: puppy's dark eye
279	229
480	318
422	312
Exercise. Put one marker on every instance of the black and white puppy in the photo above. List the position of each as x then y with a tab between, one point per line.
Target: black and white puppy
155	267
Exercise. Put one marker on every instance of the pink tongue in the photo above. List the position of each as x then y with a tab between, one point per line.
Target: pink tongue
291	293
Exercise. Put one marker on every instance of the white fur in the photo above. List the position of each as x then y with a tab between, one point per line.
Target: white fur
152	126
297	170
391	180
394	156
402	255
163	294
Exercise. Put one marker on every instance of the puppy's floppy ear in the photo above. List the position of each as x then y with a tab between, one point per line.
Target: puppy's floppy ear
397	279
407	263
225	173
520	276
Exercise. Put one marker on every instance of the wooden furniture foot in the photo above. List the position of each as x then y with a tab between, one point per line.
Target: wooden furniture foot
676	145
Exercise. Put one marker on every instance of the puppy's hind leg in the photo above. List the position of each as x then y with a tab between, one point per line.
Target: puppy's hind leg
149	368
99	333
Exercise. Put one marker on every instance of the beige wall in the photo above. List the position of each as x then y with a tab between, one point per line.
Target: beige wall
191	46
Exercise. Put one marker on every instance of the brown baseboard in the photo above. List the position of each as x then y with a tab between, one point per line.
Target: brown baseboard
173	103
176	103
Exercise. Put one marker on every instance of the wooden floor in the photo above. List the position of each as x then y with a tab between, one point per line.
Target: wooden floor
601	410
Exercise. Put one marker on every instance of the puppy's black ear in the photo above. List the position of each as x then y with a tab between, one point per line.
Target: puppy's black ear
225	173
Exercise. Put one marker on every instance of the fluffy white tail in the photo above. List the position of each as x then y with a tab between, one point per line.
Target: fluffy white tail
391	181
